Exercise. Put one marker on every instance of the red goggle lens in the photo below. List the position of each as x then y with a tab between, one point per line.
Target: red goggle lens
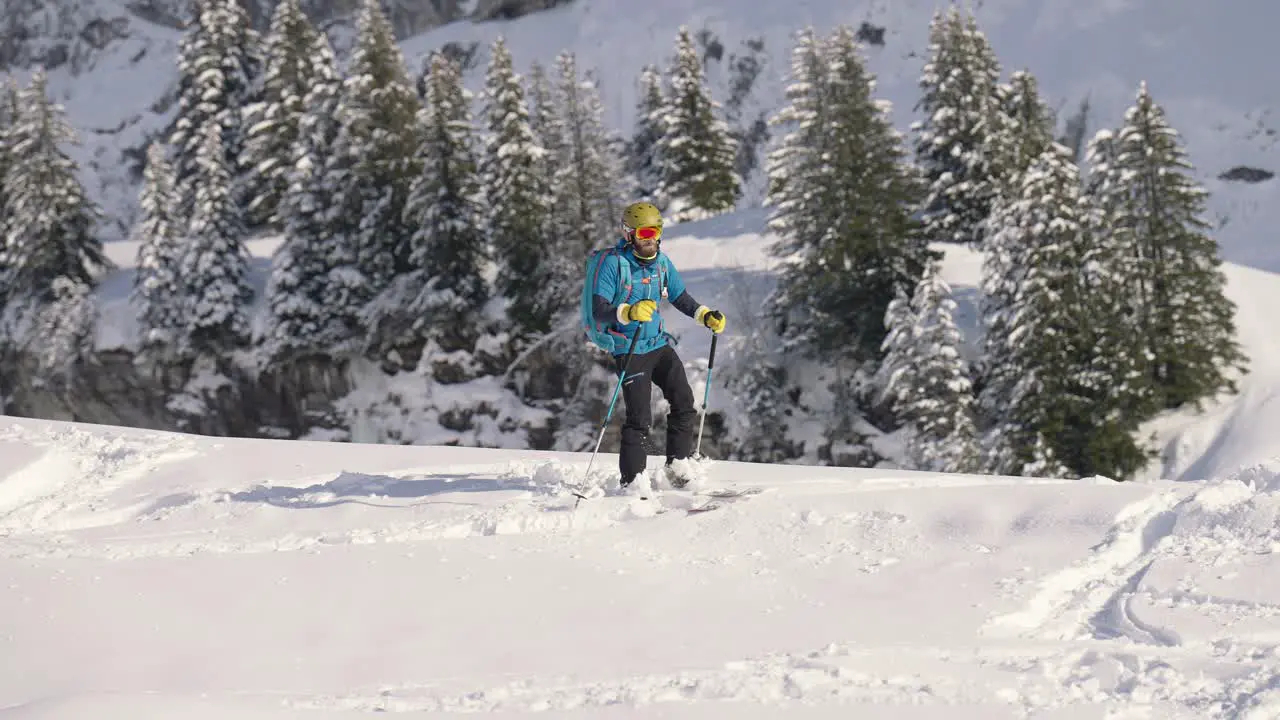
648	232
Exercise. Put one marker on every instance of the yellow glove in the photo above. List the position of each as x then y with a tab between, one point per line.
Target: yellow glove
641	311
713	319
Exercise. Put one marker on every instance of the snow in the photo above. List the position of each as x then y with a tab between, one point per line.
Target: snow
158	575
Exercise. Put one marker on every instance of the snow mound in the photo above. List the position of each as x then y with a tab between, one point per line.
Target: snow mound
66	490
58	477
1229	520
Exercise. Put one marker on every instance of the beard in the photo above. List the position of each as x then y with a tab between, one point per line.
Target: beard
645	249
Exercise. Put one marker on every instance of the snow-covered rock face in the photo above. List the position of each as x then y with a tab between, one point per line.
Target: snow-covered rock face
64	34
57	33
511	9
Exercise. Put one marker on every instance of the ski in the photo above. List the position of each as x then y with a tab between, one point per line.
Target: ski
730	492
699	501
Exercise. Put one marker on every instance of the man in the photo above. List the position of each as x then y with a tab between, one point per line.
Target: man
655	361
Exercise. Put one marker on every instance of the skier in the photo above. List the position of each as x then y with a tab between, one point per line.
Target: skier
632	310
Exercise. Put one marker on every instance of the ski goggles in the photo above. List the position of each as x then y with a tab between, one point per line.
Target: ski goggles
646	232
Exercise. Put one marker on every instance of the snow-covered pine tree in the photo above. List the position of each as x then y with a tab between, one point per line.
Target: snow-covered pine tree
1074	131
643	162
898	349
215	293
843	197
1122	384
547	132
1014	134
759	427
158	233
797	172
219	73
959	103
1031	307
1101	186
587	169
1051	398
515	176
378	143
550	134
8	120
697	151
1189	320
1023	129
587	211
51	228
608	147
314	294
271	123
926	376
449	248
64	328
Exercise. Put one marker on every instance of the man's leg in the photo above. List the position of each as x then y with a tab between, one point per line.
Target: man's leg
636	389
669	375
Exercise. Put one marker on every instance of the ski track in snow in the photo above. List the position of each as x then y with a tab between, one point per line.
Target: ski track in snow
1217	524
1092	598
1110	609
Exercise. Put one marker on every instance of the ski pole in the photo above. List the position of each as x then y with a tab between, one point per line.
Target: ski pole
706	395
626	364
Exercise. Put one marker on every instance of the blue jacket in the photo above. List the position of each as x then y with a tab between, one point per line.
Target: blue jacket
645	285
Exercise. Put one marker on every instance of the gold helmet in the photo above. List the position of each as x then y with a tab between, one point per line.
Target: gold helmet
641	215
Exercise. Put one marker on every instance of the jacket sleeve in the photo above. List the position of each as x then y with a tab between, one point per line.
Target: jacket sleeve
676	292
606	287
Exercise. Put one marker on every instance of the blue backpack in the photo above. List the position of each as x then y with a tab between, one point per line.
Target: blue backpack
596	331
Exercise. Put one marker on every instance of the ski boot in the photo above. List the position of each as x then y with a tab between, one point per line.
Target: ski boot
635	486
680	473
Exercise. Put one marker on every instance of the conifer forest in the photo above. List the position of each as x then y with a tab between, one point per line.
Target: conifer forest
440	236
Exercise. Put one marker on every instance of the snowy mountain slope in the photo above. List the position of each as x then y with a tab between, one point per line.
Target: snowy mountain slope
1199	60
152	575
1196	58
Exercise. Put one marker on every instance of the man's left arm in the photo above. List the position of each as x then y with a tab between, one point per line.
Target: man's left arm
684	302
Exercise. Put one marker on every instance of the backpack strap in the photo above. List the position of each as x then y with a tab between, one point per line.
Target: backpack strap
624	278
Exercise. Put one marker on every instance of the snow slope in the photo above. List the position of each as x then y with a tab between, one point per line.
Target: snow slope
150	575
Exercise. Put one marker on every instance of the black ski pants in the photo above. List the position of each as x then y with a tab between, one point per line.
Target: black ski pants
661	367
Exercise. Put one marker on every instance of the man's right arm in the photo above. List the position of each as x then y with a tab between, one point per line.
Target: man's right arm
606	286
